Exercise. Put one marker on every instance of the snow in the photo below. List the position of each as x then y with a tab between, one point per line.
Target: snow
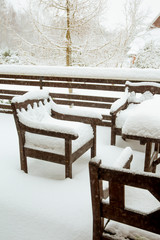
31	95
120	102
83	132
83	72
43	205
144	120
76	112
123	158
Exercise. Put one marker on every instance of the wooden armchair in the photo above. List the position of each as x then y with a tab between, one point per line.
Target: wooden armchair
116	208
48	134
134	94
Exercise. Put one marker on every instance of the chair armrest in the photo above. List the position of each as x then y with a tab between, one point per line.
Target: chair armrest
80	115
123	161
49	127
120	104
50	133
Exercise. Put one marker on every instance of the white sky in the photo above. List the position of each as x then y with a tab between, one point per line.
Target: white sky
114	15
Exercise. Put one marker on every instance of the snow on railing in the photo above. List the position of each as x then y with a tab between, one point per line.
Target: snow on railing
83	72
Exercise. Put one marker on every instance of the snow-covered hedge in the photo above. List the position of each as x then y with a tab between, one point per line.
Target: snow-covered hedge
9	57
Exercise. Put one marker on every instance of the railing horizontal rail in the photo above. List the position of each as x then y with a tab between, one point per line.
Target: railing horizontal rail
13	92
83	97
83	104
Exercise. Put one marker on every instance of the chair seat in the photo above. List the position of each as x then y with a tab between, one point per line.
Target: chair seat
124	114
57	145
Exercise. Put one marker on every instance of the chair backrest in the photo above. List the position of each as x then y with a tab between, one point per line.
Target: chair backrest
30	105
141	87
115	209
29	98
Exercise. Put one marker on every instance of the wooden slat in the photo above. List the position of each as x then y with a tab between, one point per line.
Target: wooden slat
133	218
46	156
83	104
142	89
66	79
82	150
8	97
13	92
84	86
131	179
20	82
83	97
5	106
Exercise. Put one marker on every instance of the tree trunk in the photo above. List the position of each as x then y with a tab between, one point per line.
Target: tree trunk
68	38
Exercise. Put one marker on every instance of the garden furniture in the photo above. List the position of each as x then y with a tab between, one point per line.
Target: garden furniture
144	125
124	186
51	132
135	93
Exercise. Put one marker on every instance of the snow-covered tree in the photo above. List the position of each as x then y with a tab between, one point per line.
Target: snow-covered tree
119	40
64	30
149	57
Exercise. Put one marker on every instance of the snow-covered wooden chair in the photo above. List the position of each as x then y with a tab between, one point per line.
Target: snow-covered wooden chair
52	132
135	93
127	201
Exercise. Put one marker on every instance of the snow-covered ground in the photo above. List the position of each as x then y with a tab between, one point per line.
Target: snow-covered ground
43	205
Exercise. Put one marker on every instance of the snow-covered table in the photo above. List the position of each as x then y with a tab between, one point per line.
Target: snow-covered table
144	125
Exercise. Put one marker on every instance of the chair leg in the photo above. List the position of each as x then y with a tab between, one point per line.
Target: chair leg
68	154
113	135
23	158
93	149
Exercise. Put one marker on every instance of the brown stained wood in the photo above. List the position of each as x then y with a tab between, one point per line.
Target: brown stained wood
147	157
82	150
5	106
113	130
146	222
154	157
83	104
134	180
93	149
20	82
21	135
96	200
116	194
83	97
8	97
115	210
84	86
25	104
7	111
150	156
75	118
45	156
144	88
137	89
143	139
12	92
68	156
47	133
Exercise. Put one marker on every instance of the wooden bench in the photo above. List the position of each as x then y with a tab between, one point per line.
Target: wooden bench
115	209
46	130
123	107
